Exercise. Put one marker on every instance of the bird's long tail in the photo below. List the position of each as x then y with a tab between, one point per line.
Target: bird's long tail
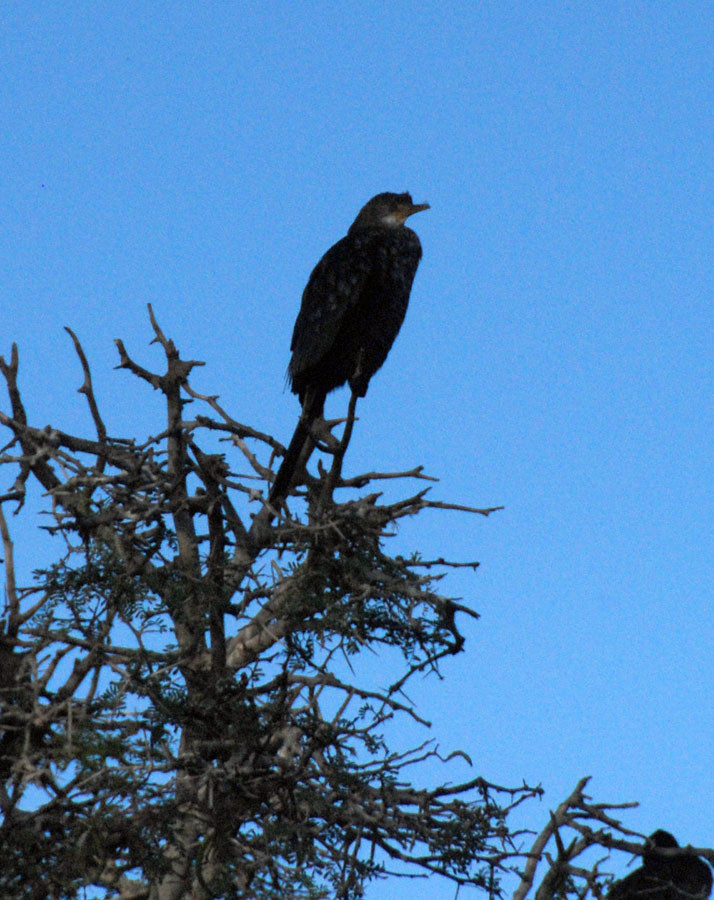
312	408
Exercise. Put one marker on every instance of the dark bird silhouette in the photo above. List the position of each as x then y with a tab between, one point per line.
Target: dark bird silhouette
684	877
352	309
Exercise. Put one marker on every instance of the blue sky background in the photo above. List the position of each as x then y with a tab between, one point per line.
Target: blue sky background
557	354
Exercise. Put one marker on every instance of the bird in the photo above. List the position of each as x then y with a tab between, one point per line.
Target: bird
683	877
351	312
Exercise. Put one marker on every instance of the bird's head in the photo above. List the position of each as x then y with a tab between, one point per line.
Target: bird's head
387	209
664	839
652	860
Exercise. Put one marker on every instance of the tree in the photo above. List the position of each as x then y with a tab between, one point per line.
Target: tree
178	714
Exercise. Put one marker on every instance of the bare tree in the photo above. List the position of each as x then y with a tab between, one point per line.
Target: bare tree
179	718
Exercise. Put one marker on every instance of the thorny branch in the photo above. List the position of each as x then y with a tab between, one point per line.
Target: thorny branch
163	537
178	687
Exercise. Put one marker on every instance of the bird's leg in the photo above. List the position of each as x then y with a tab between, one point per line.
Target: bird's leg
335	473
319	434
358	382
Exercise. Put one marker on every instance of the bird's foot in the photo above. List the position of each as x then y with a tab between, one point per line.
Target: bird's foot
321	433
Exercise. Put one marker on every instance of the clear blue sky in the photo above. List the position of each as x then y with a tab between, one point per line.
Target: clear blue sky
557	354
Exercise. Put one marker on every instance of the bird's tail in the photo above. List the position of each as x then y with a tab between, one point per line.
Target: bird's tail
312	408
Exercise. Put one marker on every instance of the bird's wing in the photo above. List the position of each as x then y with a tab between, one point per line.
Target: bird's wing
334	287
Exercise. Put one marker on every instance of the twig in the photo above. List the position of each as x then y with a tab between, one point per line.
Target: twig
88	390
339	454
359	481
536	852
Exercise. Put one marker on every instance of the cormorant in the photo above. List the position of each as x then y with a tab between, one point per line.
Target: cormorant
352	309
685	877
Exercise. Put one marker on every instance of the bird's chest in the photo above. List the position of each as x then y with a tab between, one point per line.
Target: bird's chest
386	293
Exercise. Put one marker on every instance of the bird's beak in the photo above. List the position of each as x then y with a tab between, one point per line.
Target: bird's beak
418	207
